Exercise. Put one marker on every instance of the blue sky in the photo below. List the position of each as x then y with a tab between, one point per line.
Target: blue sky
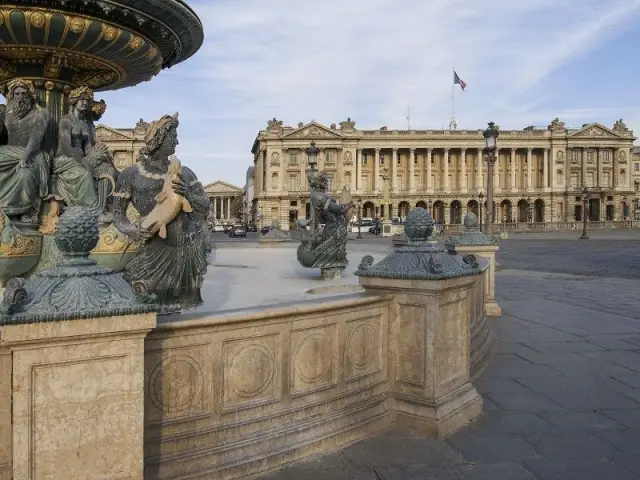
525	62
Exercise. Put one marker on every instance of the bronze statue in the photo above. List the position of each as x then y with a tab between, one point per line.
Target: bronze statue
84	171
172	268
24	167
327	249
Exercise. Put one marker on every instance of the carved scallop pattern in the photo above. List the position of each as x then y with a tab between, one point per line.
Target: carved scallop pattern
175	384
253	370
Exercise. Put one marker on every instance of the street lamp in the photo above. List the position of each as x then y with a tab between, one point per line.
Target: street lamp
431	207
490	139
625	212
585	201
530	208
312	155
481	197
359	236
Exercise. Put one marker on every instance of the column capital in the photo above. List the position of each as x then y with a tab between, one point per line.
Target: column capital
429	150
395	149
463	151
446	150
529	150
513	151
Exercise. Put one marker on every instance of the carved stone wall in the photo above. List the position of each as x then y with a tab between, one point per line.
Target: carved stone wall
240	394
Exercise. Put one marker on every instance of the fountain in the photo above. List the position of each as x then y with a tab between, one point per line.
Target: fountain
53	56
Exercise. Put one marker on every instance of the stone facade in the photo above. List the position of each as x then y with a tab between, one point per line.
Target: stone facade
538	177
124	143
636	183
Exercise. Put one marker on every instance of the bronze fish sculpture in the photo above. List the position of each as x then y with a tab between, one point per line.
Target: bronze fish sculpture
169	204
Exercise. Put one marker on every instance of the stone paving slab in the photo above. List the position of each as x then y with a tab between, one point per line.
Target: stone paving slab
562	395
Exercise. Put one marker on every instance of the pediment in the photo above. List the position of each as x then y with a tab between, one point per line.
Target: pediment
219	187
107	133
594	130
312	131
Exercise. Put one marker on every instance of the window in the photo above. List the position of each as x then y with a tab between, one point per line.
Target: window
329	156
606	179
293	183
590	155
293	157
605	155
329	183
575	155
363	158
574	180
636	167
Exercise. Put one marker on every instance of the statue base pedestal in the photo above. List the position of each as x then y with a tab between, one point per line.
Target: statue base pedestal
331	273
387	229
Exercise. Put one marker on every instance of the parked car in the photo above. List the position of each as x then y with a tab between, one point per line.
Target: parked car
252	227
264	230
238	231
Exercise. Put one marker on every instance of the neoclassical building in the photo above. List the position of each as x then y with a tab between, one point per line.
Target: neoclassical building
538	177
221	194
124	143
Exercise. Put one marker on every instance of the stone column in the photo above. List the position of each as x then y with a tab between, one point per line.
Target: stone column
376	171
479	166
359	187
583	168
529	169
512	170
552	167
431	390
445	180
496	177
429	182
545	167
614	170
229	205
394	169
412	168
464	187
598	169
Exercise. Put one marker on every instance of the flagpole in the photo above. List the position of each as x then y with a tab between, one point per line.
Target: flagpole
452	124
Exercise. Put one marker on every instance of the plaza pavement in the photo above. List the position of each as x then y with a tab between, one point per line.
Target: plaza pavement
562	393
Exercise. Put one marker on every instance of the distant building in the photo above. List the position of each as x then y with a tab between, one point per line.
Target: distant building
538	176
249	194
221	195
124	143
636	182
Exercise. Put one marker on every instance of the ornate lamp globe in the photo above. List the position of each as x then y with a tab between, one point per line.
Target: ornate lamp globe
491	136
312	154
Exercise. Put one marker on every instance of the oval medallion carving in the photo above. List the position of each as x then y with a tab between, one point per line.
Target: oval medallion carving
175	383
313	357
252	370
362	346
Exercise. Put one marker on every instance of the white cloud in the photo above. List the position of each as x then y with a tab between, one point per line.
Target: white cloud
367	59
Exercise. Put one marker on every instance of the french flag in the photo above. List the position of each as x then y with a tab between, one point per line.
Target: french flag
458	81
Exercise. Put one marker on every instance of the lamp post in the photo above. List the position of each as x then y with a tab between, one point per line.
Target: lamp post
585	201
490	138
530	209
431	207
480	197
312	160
625	212
359	236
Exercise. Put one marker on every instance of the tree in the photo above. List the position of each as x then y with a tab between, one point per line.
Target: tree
237	207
